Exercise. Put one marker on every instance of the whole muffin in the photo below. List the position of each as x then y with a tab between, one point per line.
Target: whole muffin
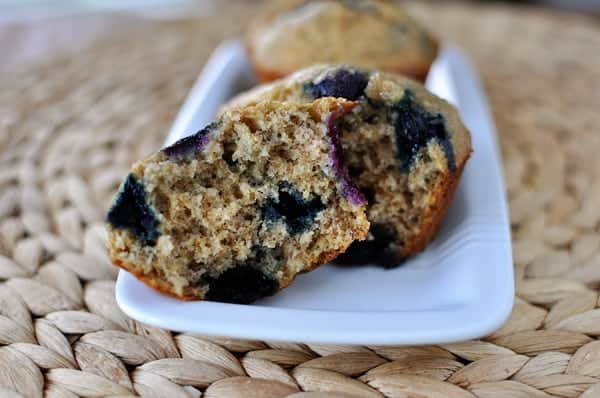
404	146
370	33
234	212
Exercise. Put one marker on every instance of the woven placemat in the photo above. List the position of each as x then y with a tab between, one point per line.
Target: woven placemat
70	128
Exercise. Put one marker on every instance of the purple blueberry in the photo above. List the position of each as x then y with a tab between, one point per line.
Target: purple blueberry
131	211
363	6
378	249
190	145
414	128
344	83
241	285
290	207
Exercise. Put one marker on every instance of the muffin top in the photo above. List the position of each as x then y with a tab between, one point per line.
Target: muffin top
370	33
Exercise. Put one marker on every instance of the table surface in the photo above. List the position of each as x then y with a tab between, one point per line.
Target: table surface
71	124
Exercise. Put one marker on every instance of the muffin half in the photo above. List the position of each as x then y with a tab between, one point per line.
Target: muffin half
405	148
236	211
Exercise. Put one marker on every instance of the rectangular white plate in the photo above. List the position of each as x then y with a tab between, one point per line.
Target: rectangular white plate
460	288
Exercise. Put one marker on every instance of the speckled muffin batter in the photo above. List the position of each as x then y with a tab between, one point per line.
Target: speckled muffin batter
236	211
377	34
405	148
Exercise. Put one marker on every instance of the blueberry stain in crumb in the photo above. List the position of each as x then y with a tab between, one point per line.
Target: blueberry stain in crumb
377	249
240	285
131	211
344	83
290	207
190	145
415	127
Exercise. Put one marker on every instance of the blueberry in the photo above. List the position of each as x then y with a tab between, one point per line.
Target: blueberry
345	83
377	250
242	284
369	194
190	145
414	128
291	208
363	6
131	211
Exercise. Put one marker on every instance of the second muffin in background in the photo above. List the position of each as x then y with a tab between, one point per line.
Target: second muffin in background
370	33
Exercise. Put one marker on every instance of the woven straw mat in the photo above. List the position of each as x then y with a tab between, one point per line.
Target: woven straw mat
70	128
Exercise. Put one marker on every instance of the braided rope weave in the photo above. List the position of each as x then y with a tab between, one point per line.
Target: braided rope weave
70	128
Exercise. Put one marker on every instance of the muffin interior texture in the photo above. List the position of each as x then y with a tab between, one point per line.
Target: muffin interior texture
234	212
404	147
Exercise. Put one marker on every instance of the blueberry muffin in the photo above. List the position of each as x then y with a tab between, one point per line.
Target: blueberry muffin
404	147
371	33
236	211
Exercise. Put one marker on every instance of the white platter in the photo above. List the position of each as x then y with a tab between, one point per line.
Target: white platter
460	288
